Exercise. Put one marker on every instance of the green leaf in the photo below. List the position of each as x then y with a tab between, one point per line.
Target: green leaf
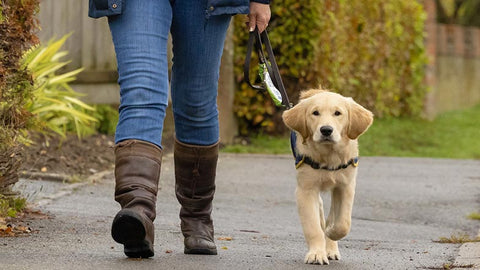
49	70
80	103
67	77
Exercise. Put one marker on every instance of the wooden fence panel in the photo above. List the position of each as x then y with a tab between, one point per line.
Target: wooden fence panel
90	45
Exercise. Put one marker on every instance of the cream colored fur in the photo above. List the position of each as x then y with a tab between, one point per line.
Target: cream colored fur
349	120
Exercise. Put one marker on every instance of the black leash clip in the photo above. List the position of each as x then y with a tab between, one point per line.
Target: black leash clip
268	69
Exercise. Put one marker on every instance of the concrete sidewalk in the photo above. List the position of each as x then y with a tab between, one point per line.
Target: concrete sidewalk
401	206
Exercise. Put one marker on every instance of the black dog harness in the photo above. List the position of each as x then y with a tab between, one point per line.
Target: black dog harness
302	159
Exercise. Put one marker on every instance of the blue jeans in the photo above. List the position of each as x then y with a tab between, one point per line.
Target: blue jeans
140	38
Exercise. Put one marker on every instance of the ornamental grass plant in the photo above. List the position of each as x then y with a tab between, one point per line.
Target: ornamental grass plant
55	105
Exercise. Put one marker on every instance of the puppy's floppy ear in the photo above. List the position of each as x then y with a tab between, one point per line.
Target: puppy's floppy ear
295	119
359	119
308	93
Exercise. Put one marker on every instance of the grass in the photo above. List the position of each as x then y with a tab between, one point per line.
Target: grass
10	206
459	238
450	135
261	145
448	266
474	215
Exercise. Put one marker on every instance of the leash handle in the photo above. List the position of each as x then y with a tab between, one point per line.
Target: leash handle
277	79
257	40
246	67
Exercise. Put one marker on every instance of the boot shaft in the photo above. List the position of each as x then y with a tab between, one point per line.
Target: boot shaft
195	171
137	172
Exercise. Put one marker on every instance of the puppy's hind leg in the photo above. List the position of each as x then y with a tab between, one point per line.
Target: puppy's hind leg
308	203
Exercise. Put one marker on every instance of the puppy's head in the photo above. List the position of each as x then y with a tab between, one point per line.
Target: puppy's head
327	118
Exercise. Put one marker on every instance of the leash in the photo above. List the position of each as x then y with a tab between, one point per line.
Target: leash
268	69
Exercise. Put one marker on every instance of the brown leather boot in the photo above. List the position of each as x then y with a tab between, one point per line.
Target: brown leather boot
195	169
137	170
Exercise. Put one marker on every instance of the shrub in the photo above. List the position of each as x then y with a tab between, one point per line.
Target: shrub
11	206
107	116
17	33
464	12
372	51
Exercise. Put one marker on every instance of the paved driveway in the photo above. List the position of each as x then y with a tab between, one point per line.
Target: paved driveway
401	206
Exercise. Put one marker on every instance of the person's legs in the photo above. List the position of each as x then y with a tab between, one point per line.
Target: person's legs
197	49
140	38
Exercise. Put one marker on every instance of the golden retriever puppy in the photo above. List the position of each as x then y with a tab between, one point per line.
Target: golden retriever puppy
327	126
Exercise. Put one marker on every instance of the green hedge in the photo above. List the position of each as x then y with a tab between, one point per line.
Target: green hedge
371	50
375	53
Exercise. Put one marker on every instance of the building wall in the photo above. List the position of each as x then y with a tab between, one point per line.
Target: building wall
453	73
458	67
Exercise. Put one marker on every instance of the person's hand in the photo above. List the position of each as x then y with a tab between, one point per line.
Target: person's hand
259	16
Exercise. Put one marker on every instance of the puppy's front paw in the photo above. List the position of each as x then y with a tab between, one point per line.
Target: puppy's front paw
316	257
332	250
333	254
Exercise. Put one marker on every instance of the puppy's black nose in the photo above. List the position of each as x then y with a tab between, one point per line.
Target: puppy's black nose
326	130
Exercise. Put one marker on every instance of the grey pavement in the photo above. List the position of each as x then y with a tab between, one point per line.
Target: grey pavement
401	206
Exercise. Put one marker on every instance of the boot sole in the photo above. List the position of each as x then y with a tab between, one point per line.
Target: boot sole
200	251
129	230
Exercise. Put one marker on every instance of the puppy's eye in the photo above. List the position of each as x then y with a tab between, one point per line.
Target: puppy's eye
337	113
316	113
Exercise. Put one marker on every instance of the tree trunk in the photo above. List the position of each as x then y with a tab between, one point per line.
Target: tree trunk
226	92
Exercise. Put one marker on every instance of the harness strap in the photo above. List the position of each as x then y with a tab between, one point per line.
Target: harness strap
318	166
302	159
